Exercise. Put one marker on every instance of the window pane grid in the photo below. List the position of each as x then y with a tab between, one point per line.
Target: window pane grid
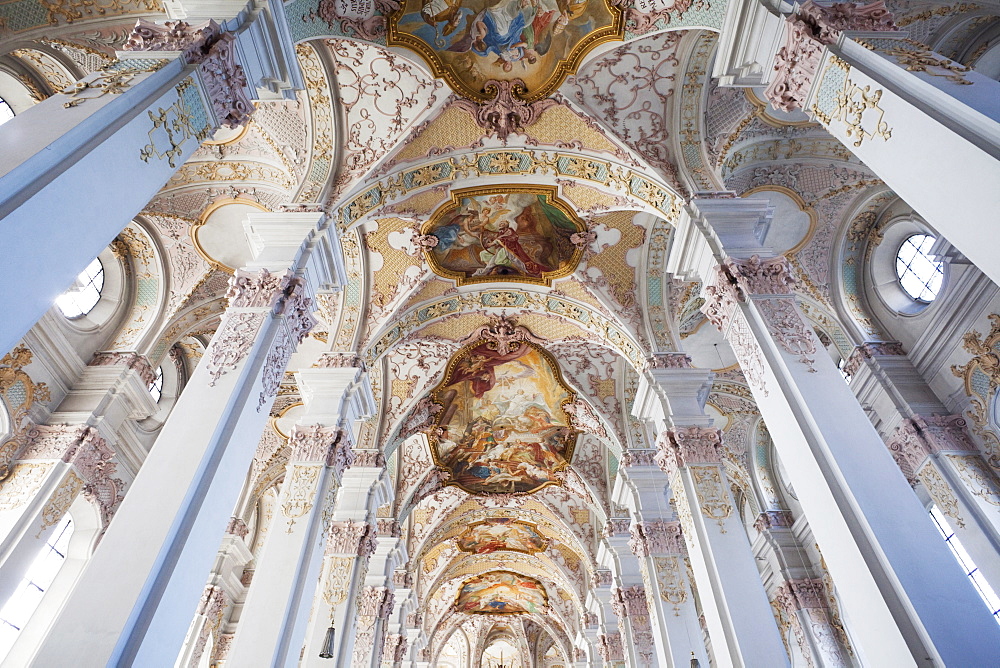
156	388
80	299
6	113
919	274
965	561
18	609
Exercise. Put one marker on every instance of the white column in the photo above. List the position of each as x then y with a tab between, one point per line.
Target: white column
273	620
657	543
888	99
614	552
865	518
804	601
165	534
932	448
736	609
935	452
60	463
350	543
64	196
660	547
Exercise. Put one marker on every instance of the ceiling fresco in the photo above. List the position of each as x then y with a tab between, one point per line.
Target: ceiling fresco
502	533
501	593
507	233
506	281
503	427
531	45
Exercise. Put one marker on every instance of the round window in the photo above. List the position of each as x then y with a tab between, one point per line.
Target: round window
6	113
80	299
919	274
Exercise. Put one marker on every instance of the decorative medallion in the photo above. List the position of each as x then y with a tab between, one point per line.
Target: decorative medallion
531	44
502	533
503	427
506	233
501	593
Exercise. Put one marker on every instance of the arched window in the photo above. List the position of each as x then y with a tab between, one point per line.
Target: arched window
83	296
919	274
18	609
156	389
6	113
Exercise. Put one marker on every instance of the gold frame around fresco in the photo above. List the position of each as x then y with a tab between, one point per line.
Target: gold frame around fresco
550	192
433	442
541	585
565	66
512	520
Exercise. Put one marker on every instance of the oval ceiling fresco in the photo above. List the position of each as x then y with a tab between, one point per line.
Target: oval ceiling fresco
502	533
501	593
504	233
502	428
532	44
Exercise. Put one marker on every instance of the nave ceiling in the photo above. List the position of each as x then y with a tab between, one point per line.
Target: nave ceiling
571	198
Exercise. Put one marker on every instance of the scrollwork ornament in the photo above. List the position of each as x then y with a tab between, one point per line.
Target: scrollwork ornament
806	33
669	577
60	501
232	343
583	418
712	494
300	491
506	112
337	580
942	494
788	329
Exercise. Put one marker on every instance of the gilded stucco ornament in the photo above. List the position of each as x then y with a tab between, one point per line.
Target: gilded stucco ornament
981	375
19	394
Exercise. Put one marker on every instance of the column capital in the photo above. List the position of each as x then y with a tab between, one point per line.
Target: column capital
921	436
214	52
376	602
869	350
237	527
317	443
610	647
684	446
630	601
91	457
128	359
762	276
807	32
656	537
773	519
350	538
669	361
340	360
801	594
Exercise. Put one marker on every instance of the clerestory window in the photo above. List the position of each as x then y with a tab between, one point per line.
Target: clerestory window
83	296
919	274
